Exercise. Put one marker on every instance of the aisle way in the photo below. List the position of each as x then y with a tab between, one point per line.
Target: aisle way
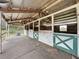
27	48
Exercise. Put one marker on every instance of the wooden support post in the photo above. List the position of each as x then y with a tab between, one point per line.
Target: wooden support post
0	34
39	30
24	30
33	29
27	30
77	9
1	41
8	30
53	29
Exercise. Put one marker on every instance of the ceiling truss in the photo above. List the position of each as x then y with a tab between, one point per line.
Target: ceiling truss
20	10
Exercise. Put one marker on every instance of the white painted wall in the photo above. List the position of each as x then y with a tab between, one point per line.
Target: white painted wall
31	33
46	37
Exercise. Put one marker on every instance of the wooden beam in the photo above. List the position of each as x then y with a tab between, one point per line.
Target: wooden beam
23	19
9	22
20	10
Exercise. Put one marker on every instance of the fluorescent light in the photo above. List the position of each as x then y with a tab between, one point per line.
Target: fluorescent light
4	5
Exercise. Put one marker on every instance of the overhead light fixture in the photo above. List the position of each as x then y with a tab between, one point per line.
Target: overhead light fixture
3	1
4	4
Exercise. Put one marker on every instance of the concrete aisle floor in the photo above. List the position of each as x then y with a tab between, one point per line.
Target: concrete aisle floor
27	48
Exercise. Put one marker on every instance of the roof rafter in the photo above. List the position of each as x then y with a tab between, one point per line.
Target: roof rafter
22	20
20	10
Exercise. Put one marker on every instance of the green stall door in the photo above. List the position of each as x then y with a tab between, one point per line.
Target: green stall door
66	42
